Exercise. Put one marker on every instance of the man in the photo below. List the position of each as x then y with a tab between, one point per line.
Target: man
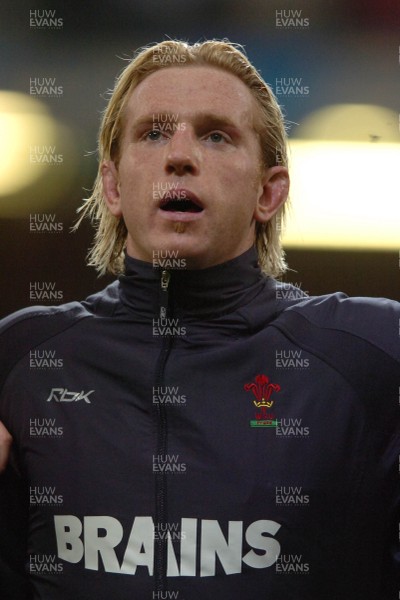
207	436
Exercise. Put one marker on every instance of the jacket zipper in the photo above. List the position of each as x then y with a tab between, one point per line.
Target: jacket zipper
161	508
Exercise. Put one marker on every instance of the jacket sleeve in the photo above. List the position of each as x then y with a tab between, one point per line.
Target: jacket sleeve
19	333
360	338
14	582
390	587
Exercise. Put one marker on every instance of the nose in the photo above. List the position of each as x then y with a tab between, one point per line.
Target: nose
182	154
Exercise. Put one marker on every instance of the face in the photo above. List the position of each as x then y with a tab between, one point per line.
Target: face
189	179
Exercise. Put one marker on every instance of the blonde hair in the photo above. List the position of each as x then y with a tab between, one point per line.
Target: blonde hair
107	252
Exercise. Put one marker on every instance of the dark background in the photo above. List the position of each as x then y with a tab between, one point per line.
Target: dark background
349	53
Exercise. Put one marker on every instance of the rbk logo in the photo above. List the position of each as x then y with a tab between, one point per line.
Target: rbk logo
63	395
262	390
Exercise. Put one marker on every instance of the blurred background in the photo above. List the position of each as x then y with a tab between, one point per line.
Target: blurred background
334	66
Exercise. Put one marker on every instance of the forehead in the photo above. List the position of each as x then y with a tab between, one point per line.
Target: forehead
190	90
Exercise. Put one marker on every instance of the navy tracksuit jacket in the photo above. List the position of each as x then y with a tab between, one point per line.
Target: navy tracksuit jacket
202	435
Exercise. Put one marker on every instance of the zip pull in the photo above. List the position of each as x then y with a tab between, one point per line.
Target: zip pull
165	277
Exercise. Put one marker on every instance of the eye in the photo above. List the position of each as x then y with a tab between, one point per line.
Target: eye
216	137
154	135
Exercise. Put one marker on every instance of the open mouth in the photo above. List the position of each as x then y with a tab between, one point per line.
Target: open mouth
183	205
180	200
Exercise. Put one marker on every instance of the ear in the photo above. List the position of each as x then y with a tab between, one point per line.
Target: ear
274	192
111	187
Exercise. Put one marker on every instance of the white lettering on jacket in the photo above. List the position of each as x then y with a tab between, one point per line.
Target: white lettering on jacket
96	538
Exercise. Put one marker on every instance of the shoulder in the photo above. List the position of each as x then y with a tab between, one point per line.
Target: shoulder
339	304
26	329
356	337
63	315
376	321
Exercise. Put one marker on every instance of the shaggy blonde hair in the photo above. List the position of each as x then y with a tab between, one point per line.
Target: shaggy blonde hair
107	252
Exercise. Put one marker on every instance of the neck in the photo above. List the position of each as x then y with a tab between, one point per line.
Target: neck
206	292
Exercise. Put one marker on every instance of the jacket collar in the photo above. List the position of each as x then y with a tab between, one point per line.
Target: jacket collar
202	293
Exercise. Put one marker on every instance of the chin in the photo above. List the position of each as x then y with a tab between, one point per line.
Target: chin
185	244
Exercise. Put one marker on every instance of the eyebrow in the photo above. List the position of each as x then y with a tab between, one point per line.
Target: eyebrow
207	119
214	120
